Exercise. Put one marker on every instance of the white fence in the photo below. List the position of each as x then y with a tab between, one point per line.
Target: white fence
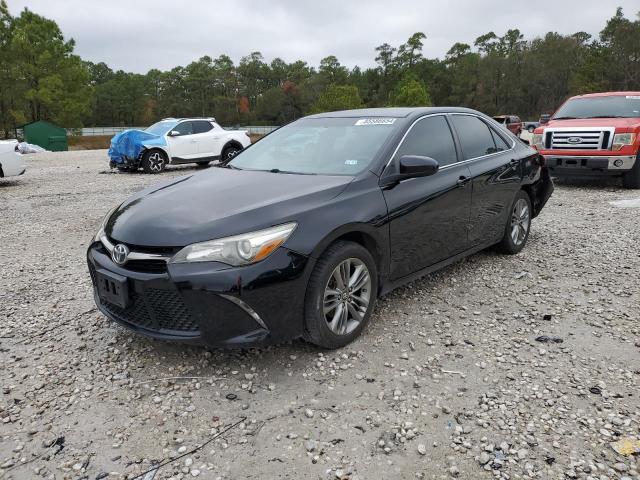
94	131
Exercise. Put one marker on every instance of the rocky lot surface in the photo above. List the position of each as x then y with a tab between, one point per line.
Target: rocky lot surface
448	380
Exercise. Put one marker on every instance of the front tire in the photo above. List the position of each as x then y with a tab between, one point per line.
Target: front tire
341	295
518	225
228	154
153	161
631	179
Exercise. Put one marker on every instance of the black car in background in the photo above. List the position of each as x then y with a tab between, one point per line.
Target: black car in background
305	229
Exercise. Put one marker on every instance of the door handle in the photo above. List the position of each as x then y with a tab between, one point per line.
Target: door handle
462	181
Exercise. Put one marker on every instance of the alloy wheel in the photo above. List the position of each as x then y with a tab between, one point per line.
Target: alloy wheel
156	162
520	219
347	296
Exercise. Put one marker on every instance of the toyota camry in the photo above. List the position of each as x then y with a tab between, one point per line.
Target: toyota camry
301	233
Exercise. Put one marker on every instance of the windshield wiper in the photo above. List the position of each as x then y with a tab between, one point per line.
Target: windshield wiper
233	167
277	170
565	118
609	116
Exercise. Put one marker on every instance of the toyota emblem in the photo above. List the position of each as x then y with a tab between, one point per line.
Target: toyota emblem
120	253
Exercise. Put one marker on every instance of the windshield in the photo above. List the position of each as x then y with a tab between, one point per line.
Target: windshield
624	106
323	146
161	127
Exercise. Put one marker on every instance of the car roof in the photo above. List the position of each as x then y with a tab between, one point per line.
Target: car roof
607	94
393	112
209	119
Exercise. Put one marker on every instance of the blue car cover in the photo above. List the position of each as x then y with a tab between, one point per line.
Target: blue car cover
129	143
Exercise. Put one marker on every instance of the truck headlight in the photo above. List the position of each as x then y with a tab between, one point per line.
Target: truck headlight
237	250
101	233
536	141
623	140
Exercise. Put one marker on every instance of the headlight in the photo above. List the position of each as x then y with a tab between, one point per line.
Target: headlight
536	141
237	250
622	140
101	233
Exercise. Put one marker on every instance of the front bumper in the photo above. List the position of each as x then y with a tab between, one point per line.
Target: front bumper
574	165
210	303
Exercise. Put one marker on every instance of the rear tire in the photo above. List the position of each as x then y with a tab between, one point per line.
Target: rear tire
631	179
153	161
516	231
228	154
341	295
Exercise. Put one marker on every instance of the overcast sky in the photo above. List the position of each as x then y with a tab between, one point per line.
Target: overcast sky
137	35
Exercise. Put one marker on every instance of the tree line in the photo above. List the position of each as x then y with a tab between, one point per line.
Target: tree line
41	78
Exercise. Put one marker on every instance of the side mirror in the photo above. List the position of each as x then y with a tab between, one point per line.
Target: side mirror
544	118
417	166
174	133
412	166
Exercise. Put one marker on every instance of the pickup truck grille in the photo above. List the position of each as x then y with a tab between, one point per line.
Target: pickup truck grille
586	138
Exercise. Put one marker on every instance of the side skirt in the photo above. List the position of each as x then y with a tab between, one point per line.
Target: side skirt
389	285
179	161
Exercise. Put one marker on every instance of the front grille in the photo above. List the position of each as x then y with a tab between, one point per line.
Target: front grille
578	139
146	266
153	309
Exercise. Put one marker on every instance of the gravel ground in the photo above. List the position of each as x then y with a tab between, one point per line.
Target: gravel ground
447	381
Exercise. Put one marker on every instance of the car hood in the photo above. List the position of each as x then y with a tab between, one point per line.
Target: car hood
217	203
129	144
595	122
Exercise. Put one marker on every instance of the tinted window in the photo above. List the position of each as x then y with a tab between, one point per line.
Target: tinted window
201	126
430	137
474	135
184	128
499	141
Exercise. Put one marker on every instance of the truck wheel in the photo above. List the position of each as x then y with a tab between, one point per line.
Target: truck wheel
153	161
227	154
341	295
631	179
516	231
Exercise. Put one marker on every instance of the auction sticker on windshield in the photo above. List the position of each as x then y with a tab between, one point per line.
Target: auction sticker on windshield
375	121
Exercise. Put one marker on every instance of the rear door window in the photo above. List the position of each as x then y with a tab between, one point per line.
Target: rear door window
501	144
475	137
430	137
201	126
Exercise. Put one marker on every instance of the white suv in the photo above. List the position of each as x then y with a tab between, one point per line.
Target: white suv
11	162
176	141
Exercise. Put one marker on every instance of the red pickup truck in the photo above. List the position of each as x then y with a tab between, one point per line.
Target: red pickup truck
594	135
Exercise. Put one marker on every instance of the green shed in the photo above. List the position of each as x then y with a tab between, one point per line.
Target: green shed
47	135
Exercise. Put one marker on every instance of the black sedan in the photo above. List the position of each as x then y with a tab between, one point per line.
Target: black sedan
302	232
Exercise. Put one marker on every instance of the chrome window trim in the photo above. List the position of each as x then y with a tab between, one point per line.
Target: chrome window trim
513	143
134	255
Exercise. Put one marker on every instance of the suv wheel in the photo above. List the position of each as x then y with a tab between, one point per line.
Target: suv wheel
341	295
518	225
631	179
153	161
